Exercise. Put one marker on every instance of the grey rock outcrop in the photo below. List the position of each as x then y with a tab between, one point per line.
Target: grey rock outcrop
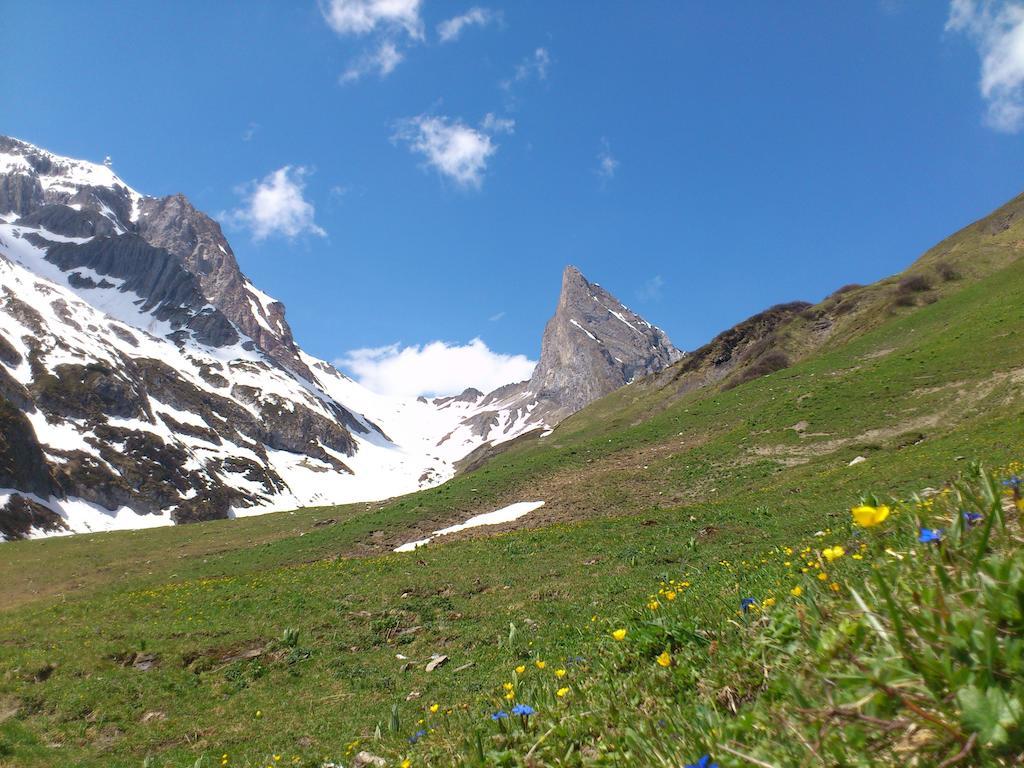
19	193
171	292
197	241
593	345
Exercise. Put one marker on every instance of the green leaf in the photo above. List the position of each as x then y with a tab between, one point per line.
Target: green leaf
991	713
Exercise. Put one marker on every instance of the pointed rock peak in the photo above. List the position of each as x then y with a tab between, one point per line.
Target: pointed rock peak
574	284
571	273
593	345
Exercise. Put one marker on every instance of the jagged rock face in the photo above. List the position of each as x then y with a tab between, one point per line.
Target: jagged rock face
197	242
172	293
20	517
593	345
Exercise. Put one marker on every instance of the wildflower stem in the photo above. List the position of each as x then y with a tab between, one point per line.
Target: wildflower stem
742	756
539	742
962	754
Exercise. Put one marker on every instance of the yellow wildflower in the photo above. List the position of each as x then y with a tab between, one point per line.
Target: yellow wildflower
654	605
434	708
559	673
508	686
834	587
560	693
796	591
833	553
670	595
823	576
405	763
541	664
665	659
619	634
520	669
768	602
867	516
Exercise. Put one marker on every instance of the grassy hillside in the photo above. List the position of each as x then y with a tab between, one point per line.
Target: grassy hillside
262	637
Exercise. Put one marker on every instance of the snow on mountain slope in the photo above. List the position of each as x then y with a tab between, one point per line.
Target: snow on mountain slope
145	380
132	393
49	323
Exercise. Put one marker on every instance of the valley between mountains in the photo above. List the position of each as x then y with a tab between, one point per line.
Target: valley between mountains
656	540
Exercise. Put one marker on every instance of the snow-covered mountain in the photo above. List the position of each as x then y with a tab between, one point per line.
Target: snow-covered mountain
144	380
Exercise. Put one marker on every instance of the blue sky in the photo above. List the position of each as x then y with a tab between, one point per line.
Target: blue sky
416	181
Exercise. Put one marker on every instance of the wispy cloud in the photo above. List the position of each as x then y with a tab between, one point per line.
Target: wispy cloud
496	316
450	30
533	66
437	368
361	17
493	124
381	61
250	131
385	20
651	290
607	165
455	150
276	205
997	29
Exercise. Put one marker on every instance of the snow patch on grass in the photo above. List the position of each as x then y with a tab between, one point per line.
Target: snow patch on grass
503	515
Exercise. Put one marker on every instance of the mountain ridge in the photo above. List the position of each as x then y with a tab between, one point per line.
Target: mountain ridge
160	385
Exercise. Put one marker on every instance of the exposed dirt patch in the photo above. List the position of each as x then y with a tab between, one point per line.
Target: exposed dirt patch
568	495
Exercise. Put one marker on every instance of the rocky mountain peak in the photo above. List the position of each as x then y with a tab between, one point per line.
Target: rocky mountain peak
593	345
196	240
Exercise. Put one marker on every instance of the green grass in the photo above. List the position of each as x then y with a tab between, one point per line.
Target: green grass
855	647
641	485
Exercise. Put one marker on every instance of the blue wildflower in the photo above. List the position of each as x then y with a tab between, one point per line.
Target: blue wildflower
929	535
704	762
499	715
1013	482
746	602
522	709
417	736
972	518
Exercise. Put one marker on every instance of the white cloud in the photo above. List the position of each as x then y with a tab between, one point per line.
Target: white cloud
997	29
450	30
437	368
382	61
651	290
606	162
453	148
361	17
276	205
493	124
